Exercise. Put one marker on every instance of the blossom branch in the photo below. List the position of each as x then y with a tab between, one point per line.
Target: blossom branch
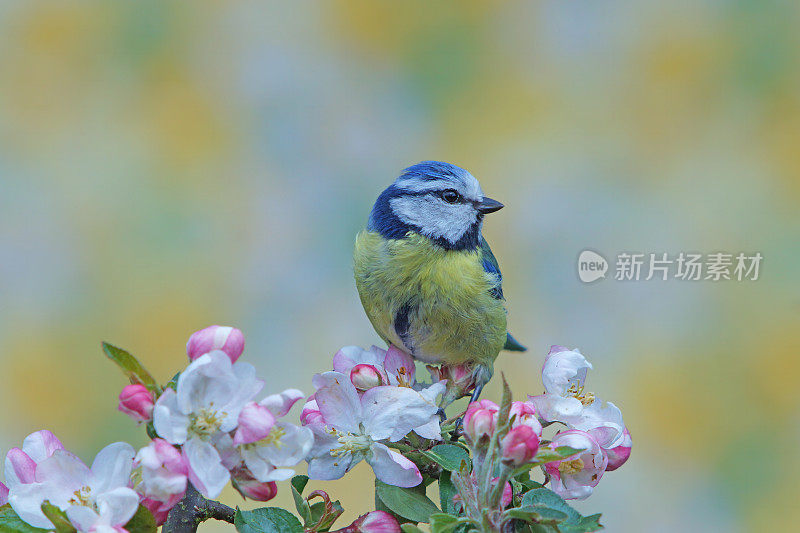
194	509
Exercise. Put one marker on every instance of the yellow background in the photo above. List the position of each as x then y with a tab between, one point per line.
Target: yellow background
165	166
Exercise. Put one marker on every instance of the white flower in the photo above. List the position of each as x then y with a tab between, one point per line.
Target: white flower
400	371
211	393
352	426
566	400
575	478
97	499
269	446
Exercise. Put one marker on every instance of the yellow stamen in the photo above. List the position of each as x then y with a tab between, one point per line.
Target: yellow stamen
576	391
572	466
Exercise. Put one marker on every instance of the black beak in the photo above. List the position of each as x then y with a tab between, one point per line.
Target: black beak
489	206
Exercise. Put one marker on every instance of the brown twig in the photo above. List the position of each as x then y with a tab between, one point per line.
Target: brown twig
194	509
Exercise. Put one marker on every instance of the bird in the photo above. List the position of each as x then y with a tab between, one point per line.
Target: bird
427	279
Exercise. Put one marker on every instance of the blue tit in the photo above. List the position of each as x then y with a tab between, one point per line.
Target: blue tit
427	278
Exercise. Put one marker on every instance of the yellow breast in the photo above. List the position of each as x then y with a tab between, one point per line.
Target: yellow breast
452	316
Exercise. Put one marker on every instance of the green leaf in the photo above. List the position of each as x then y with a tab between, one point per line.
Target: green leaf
575	523
446	492
442	522
538	514
407	503
410	528
11	523
58	518
299	483
448	456
131	367
142	522
267	520
505	403
548	455
300	503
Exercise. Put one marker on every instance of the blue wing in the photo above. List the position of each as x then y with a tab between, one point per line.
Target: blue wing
491	266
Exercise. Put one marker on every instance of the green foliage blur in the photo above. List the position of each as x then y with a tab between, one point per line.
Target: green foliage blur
165	166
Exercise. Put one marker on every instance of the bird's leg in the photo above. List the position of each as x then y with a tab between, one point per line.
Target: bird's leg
474	398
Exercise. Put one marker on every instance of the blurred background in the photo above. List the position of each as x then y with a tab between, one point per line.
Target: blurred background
166	166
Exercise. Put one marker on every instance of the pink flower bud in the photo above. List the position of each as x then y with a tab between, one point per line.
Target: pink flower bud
311	413
229	340
373	522
480	420
619	455
365	376
519	446
136	402
249	487
255	423
525	414
460	380
3	494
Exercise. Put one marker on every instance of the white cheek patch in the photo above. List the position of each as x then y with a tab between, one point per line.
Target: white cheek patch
435	218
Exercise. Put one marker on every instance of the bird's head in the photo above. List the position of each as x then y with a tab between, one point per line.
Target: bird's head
438	200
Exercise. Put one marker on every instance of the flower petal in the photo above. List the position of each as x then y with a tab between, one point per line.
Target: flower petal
392	467
205	467
117	506
350	356
554	407
400	367
392	412
19	467
64	473
41	444
26	500
280	404
328	467
338	401
83	518
112	466
562	368
294	446
170	422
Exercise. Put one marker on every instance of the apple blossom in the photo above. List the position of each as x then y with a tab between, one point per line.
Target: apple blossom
227	339
565	399
164	473
96	499
269	449
353	425
519	446
373	522
575	478
480	421
136	402
207	402
395	368
618	455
